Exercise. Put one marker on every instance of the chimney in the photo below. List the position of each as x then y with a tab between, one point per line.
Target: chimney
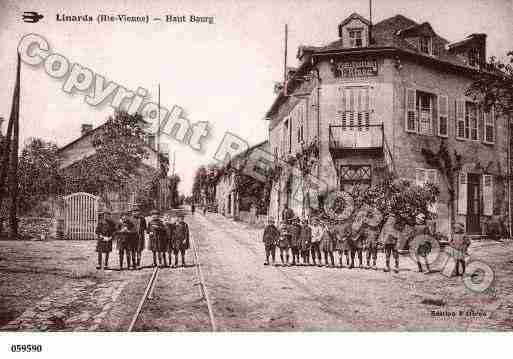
480	41
86	127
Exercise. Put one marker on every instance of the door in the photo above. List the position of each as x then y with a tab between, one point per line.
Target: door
473	204
81	215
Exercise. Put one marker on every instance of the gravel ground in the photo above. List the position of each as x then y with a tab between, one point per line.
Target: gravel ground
54	286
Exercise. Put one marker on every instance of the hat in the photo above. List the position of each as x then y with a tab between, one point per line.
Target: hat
458	227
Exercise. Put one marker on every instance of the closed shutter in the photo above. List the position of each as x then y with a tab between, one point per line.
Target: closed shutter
443	116
487	195
460	119
341	107
411	113
489	126
462	193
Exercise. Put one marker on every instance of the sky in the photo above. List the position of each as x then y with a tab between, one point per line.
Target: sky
221	73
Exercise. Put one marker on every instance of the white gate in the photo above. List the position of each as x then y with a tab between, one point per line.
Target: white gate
80	215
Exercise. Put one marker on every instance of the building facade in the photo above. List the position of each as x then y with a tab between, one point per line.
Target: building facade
390	98
235	191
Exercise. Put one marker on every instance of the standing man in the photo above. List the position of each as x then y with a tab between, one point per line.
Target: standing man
181	238
316	240
305	240
157	234
193	208
140	229
357	245
270	237
342	244
104	230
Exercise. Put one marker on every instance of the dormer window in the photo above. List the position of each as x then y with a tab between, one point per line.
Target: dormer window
355	37
425	44
473	57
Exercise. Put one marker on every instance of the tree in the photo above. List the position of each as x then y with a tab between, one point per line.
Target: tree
494	86
119	151
38	173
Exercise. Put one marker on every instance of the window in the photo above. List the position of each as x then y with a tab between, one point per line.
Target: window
489	126
285	136
425	44
471	124
354	108
355	37
473	57
419	112
461	128
425	112
443	113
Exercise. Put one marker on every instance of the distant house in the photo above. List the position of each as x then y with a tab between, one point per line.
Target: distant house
233	197
114	200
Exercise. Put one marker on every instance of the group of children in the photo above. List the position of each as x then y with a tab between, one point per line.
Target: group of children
315	242
167	238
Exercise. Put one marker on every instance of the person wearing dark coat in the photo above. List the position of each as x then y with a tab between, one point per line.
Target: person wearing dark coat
140	229
287	214
342	244
418	238
126	242
180	240
284	243
295	230
193	208
270	238
305	240
170	232
104	231
327	246
370	240
157	232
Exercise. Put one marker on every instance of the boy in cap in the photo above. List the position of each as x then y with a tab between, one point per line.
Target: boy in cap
181	239
295	230
157	233
305	239
315	244
125	237
140	229
170	232
284	243
270	237
391	241
104	230
459	244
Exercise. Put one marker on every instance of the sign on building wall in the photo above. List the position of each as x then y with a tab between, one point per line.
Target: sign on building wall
358	68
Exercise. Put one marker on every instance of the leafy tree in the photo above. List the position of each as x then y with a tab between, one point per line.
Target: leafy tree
494	86
38	173
119	151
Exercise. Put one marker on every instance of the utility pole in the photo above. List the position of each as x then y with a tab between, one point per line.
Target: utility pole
13	173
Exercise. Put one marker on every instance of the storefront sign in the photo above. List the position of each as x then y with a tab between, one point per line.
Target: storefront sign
360	68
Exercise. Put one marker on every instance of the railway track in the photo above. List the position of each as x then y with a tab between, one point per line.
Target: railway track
203	290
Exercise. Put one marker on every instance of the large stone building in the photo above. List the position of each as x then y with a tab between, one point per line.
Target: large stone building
385	98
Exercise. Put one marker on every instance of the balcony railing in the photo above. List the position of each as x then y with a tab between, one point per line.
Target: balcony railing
368	137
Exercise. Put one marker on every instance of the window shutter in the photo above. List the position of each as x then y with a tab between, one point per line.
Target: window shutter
411	113
487	195
443	116
489	126
462	193
460	119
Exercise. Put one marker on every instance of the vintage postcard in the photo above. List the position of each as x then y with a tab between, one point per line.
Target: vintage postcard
255	166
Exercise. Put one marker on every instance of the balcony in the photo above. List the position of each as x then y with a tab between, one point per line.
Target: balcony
356	139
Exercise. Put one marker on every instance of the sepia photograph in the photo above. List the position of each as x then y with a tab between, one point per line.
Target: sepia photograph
255	167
